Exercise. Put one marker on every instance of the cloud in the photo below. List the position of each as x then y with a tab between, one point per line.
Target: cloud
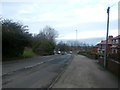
64	15
0	9
28	8
68	16
37	1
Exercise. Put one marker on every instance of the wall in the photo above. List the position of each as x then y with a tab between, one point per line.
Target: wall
112	66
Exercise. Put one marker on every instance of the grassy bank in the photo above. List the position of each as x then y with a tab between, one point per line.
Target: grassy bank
28	53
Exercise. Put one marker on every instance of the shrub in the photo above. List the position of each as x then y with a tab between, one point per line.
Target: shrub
14	38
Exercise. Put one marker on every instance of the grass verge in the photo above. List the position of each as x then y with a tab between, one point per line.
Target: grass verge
28	53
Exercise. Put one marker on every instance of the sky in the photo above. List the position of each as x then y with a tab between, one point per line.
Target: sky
88	17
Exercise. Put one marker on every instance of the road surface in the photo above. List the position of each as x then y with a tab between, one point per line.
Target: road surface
38	72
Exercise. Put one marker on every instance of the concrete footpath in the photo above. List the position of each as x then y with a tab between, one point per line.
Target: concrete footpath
86	73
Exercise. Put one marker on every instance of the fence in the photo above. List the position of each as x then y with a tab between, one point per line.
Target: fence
115	57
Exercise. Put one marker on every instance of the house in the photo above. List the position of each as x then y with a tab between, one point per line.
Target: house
115	48
102	44
113	51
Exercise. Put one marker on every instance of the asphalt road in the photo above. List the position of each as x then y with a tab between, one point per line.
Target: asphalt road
38	72
15	65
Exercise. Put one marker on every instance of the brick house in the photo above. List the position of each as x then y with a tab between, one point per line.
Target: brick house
115	48
113	61
102	44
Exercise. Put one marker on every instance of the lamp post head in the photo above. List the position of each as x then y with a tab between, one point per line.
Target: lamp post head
108	9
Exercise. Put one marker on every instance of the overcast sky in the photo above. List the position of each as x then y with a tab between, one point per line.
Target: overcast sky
88	17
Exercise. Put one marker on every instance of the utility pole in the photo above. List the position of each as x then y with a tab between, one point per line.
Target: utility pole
76	37
106	45
76	43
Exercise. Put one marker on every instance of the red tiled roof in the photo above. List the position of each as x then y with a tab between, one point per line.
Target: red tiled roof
104	42
117	37
109	40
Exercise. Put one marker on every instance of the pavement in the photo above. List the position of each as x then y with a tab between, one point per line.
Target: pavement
86	73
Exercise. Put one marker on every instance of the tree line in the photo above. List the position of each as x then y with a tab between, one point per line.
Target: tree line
16	37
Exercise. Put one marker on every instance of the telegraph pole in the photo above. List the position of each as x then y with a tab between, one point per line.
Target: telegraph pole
106	45
76	37
76	42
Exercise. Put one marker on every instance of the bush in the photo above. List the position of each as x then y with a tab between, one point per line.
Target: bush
44	48
89	54
14	38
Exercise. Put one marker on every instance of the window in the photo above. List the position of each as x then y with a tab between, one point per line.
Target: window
117	42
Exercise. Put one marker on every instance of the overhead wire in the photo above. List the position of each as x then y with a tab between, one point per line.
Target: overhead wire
114	4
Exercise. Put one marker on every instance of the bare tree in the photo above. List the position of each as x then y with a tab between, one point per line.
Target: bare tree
50	33
44	42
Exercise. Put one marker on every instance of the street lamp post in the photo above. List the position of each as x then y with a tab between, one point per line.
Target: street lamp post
106	45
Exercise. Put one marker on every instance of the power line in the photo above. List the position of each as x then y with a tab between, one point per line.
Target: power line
114	4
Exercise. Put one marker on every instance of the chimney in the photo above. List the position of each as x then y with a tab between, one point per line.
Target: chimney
110	37
102	41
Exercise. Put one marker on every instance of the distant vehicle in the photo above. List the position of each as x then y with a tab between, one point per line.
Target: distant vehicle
63	53
59	52
70	52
